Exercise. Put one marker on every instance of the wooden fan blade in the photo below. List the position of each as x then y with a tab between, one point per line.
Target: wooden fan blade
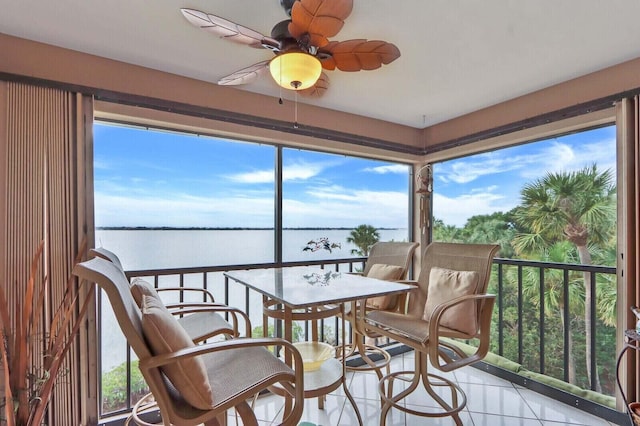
318	89
228	30
358	54
244	75
319	18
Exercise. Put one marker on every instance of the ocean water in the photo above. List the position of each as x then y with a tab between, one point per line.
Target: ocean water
161	249
157	249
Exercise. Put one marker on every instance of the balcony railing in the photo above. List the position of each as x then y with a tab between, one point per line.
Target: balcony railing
525	328
565	312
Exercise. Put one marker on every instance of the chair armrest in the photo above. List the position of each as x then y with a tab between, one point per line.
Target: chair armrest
486	302
410	282
207	294
179	306
191	308
295	389
158	361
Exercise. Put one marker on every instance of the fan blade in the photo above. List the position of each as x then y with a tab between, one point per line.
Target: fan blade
319	18
358	54
318	89
244	75
228	30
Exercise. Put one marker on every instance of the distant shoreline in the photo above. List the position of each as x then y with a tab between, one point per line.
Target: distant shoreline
195	228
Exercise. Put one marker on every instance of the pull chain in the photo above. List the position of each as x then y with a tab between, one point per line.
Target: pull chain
295	113
280	85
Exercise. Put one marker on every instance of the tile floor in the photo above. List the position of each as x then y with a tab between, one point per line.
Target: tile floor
491	402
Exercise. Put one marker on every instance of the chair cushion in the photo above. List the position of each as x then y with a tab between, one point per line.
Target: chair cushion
164	335
140	288
445	285
387	273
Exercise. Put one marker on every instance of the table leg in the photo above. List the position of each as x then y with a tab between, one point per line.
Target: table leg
344	368
288	336
265	319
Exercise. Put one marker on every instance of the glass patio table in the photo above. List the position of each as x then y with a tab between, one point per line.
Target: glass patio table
311	293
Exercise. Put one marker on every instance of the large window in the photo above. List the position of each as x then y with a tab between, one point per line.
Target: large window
548	204
343	200
178	200
170	200
154	189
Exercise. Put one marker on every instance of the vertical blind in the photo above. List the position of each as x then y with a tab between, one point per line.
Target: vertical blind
47	131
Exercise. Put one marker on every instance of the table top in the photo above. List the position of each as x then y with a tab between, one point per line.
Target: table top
304	286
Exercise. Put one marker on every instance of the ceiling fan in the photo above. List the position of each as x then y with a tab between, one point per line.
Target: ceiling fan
301	45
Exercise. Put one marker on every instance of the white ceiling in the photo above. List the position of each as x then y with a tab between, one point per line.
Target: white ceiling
457	55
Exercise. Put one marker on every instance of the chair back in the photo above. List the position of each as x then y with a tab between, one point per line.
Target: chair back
391	253
454	256
115	284
106	254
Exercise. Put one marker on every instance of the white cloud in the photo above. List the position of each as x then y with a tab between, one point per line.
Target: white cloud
560	157
456	211
290	172
468	170
331	207
182	210
556	157
101	165
336	206
258	176
391	168
301	171
333	192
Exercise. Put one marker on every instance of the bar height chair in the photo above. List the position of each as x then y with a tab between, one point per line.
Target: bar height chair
388	260
194	384
450	301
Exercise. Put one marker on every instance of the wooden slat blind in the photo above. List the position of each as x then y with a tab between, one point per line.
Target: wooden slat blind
44	158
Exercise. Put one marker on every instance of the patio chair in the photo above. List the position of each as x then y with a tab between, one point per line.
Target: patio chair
390	261
449	302
201	320
194	384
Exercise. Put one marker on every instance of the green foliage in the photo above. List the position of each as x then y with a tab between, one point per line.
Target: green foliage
297	331
363	236
578	206
496	228
446	233
114	387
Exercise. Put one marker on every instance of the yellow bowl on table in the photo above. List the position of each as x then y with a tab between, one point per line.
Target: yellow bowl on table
314	354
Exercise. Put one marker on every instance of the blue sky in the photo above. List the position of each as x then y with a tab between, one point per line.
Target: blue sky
150	178
490	182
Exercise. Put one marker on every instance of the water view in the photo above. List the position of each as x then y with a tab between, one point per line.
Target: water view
157	249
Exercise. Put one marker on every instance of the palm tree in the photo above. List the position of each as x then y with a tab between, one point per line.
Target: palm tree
363	236
496	228
607	285
445	233
575	206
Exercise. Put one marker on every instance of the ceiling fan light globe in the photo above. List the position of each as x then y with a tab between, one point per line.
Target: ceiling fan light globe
295	70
